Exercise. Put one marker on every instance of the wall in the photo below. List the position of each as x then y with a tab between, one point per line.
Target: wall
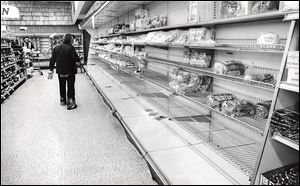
41	13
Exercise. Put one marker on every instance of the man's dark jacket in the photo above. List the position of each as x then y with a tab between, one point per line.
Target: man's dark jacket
65	57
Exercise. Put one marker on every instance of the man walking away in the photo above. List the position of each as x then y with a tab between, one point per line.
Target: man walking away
65	57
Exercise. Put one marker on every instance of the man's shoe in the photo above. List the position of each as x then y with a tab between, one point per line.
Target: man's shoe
62	102
71	104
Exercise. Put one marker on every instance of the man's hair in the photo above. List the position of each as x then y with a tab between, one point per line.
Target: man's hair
67	38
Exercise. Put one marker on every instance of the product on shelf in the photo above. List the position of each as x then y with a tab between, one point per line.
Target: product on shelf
268	39
199	59
215	100
287	175
234	68
289	6
200	35
187	56
173	35
194	57
196	85
262	109
266	78
257	7
193	11
141	14
182	38
183	76
160	36
286	123
231	9
237	108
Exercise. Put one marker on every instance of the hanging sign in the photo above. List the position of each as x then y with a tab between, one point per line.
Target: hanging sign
8	11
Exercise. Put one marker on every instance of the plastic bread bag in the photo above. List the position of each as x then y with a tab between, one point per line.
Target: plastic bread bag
197	35
149	36
230	9
289	6
187	56
160	37
182	38
262	109
216	100
205	83
174	73
234	68
172	35
183	76
238	108
268	39
174	85
194	58
194	81
264	6
164	20
204	60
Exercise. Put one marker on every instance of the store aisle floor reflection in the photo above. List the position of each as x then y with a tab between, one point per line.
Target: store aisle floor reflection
44	143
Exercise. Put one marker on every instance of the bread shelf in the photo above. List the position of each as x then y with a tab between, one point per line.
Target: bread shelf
248	123
204	71
242	47
242	19
289	87
286	141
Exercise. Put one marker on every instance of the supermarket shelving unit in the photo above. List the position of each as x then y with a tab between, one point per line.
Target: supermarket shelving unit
16	68
235	38
278	151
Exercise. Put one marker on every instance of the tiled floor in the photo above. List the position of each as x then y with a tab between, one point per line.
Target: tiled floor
44	143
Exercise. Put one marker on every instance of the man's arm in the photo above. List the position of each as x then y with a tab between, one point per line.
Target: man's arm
32	46
74	55
52	60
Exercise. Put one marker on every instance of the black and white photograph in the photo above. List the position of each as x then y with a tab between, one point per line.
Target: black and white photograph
149	92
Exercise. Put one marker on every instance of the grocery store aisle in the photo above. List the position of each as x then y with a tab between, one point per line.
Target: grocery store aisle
44	143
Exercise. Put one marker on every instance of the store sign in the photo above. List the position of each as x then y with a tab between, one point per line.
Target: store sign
8	11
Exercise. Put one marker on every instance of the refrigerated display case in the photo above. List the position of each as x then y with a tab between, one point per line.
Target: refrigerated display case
224	119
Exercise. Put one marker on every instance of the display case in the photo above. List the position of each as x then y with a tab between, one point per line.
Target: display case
220	88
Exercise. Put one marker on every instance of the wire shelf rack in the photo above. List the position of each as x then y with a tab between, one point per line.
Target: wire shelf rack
234	142
211	73
250	44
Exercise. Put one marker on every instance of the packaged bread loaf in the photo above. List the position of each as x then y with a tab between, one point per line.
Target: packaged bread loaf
215	100
262	109
233	68
268	39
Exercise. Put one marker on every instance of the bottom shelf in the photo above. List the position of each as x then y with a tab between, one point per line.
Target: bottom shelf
229	137
286	141
12	89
